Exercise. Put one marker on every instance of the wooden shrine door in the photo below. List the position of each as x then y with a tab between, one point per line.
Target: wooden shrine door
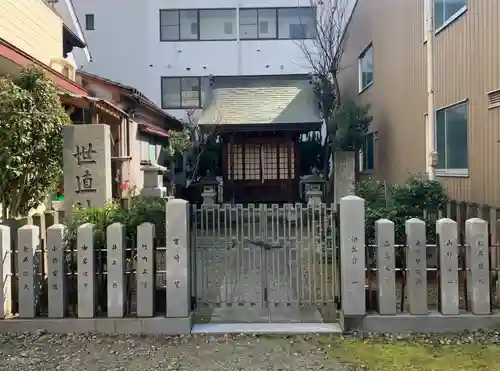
261	170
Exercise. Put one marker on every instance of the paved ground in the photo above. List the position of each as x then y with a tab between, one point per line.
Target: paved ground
207	353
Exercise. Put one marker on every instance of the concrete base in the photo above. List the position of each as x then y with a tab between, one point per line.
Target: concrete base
149	326
432	323
160	192
266	328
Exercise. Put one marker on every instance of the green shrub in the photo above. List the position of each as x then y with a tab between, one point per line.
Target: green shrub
142	209
401	202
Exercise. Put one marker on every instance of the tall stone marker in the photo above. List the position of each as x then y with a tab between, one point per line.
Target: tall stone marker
416	263
448	262
478	278
352	255
87	165
177	258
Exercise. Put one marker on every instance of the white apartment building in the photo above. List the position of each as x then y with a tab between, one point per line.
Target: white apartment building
168	49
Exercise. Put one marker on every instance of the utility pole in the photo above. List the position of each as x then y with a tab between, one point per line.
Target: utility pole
431	110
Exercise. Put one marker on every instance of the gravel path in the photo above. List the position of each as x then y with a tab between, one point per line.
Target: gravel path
73	352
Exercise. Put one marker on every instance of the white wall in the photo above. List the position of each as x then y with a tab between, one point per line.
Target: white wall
126	44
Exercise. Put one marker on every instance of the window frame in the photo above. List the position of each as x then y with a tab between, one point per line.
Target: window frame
213	10
454	172
258	24
87	17
198	23
297	7
180	78
179	32
364	155
277	20
452	18
361	86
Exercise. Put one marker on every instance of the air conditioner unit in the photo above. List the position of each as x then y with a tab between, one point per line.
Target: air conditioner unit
63	66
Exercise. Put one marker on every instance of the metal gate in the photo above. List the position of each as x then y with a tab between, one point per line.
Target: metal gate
261	263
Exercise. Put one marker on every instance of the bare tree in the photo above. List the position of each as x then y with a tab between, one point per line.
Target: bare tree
323	54
200	137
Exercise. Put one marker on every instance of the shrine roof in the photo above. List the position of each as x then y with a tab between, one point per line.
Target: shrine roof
258	100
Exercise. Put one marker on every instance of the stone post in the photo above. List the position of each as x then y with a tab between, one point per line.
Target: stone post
352	259
28	239
56	282
145	270
87	165
416	265
384	236
478	280
177	259
153	181
448	262
5	272
86	271
115	246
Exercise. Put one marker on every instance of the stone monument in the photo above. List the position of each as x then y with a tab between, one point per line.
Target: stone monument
153	181
87	165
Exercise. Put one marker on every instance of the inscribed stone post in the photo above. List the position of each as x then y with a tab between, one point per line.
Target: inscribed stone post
87	165
56	274
386	277
352	255
145	271
177	263
5	272
416	263
86	271
28	240
448	262
116	269
478	280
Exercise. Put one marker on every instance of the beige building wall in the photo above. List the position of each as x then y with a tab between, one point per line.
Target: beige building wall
33	27
467	67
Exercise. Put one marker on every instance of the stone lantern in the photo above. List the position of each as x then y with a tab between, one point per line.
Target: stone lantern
208	189
313	188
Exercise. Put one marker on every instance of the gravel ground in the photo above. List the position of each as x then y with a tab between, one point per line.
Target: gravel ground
71	352
229	352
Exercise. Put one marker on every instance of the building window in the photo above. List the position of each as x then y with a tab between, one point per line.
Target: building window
217	24
284	23
366	68
368	152
451	139
258	24
180	92
297	23
177	25
89	22
445	11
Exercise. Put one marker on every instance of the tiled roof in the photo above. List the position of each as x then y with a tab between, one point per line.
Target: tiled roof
261	100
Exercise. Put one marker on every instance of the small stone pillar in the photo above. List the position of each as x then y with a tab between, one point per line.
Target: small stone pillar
313	188
208	190
153	181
